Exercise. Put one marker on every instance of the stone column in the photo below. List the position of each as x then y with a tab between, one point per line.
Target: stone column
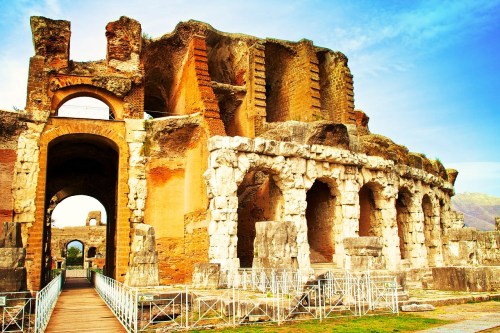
349	223
223	207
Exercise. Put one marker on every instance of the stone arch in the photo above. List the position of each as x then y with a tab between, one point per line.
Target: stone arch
322	216
66	248
370	219
404	221
65	94
111	135
272	166
92	251
259	199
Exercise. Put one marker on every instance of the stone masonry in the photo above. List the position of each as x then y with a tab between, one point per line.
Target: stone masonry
222	151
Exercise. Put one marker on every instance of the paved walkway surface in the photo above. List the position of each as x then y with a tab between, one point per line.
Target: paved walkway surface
80	309
470	326
472	317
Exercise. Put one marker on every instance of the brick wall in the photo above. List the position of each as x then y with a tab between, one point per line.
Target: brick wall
337	90
292	82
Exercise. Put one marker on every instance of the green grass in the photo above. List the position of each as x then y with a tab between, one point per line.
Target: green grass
367	324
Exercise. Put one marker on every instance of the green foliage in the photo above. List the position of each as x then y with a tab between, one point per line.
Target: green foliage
74	257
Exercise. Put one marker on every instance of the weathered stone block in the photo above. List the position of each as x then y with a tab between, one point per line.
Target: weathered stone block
12	279
12	257
466	278
11	236
206	275
417	307
363	246
275	245
143	269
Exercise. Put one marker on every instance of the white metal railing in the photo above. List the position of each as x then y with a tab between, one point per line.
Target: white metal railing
122	300
265	280
17	312
264	295
45	301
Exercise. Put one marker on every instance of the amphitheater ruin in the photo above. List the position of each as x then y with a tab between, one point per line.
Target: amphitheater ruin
222	151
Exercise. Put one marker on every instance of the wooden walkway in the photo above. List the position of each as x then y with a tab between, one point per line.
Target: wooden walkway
80	309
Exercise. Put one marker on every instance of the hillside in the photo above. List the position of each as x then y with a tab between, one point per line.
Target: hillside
479	209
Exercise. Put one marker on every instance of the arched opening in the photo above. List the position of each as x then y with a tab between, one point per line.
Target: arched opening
369	213
428	230
85	107
259	199
74	254
81	164
320	216
69	219
92	252
442	220
403	204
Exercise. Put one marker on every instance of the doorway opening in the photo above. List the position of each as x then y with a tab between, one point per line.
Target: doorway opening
320	216
81	164
259	199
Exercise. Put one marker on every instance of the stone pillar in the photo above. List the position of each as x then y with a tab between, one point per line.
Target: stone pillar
124	44
143	266
12	257
51	40
349	189
497	223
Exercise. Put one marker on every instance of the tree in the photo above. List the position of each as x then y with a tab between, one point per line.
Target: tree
74	257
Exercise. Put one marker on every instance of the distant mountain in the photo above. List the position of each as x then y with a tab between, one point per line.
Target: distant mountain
479	209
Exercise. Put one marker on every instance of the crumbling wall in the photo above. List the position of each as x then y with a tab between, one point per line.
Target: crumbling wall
292	81
54	79
295	167
470	247
11	125
175	158
336	88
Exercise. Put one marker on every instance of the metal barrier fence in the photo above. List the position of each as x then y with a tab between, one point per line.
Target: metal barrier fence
122	300
259	296
18	312
45	302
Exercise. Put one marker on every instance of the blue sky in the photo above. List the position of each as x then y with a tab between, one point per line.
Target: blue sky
426	72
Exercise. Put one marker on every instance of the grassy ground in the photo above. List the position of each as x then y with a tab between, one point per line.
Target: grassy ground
367	324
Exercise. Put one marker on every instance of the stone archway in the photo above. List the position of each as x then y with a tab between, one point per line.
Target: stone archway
370	219
75	258
82	164
432	231
320	216
259	199
404	223
65	94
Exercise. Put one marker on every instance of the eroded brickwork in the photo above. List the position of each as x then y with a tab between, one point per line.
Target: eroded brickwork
239	133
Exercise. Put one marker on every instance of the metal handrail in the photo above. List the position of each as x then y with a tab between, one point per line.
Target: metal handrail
45	302
249	297
122	300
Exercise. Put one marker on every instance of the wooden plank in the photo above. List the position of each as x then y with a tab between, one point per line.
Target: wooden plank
80	309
